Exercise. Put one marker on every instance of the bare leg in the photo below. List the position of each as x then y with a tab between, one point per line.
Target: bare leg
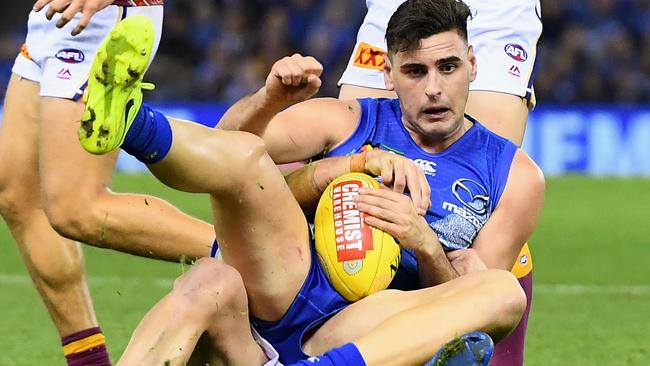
80	206
54	263
208	300
417	323
349	92
508	120
261	230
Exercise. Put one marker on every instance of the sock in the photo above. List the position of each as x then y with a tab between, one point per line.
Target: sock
346	355
86	348
150	136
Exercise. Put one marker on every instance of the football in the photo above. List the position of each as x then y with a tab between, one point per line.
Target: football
357	259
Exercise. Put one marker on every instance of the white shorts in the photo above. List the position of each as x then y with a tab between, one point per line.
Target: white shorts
504	35
60	62
268	349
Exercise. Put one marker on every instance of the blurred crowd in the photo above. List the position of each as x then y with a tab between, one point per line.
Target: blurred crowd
595	51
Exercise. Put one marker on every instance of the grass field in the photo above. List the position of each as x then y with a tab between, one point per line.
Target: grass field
592	280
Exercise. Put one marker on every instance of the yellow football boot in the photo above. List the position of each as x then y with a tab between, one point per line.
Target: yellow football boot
114	93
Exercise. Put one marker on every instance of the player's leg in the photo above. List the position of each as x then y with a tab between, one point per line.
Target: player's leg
88	211
510	351
54	263
78	202
509	120
417	323
203	320
260	228
504	38
349	92
231	166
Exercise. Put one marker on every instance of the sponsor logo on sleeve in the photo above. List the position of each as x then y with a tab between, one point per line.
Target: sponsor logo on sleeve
369	57
516	52
70	56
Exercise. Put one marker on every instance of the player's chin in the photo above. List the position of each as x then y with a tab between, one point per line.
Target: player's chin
435	127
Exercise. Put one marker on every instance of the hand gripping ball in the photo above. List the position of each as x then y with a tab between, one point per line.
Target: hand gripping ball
357	259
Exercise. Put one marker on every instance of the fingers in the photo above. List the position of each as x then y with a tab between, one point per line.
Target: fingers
455	254
377	196
425	193
419	188
87	13
56	6
40	4
383	225
386	170
69	13
380	208
401	174
314	81
298	70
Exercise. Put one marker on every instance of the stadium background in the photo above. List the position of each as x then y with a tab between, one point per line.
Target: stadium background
590	133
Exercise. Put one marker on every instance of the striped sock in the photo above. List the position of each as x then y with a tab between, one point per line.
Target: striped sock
87	347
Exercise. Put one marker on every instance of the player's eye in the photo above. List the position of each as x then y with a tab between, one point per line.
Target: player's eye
415	72
448	68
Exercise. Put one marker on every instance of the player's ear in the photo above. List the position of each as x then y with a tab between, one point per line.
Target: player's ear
472	61
388	68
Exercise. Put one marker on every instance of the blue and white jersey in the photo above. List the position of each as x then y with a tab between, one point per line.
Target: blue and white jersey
466	179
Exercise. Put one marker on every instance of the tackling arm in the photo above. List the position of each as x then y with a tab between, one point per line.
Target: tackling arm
293	128
515	217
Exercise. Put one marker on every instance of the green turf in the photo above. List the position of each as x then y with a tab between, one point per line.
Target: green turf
592	280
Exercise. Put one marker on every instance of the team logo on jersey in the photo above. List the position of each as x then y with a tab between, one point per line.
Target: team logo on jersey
429	167
369	57
70	56
467	216
516	52
472	195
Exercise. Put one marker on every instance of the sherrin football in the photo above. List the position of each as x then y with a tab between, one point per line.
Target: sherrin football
357	259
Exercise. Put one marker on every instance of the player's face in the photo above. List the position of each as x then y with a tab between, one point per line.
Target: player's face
432	84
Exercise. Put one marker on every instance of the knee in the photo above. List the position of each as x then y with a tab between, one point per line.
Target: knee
509	299
247	151
75	216
212	288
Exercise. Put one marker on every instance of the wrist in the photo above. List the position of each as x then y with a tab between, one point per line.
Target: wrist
328	169
430	247
269	103
358	162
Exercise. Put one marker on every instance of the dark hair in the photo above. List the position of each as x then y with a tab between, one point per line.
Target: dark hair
415	20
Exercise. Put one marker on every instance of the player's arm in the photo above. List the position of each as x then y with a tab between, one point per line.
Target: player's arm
515	216
395	214
397	173
292	130
69	8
